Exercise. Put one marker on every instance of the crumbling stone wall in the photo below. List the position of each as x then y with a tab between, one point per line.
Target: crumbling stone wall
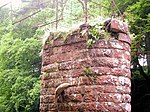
99	76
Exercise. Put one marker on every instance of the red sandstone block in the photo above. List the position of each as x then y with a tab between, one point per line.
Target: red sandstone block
54	82
74	39
62	74
126	98
57	50
57	42
47	76
111	44
118	53
75	46
45	47
118	26
121	72
47	98
42	91
75	64
74	107
68	56
45	60
48	84
97	88
73	73
73	90
47	91
124	81
114	97
73	98
69	47
101	70
90	107
102	43
47	51
126	47
65	107
70	107
114	107
116	44
52	107
84	80
127	55
89	97
103	52
121	54
116	89
43	107
126	107
66	66
50	68
125	38
79	90
123	63
105	62
76	72
93	62
107	80
50	91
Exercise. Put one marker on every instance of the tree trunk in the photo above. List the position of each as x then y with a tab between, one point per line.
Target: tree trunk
147	43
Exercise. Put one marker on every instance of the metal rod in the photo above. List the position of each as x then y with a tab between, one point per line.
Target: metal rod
112	8
56	14
86	11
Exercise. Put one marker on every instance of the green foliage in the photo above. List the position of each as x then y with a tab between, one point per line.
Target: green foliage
88	72
20	66
97	32
140	25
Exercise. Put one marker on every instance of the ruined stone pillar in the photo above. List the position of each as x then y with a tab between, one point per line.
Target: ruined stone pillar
99	76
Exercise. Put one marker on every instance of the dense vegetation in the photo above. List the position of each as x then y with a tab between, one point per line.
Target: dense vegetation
21	31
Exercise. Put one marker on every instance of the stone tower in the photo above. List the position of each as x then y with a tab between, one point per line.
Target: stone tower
98	76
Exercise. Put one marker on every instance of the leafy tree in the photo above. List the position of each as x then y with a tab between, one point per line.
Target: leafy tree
20	65
140	26
19	76
137	14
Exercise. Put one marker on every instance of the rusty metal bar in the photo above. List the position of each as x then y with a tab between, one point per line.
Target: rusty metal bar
56	14
112	8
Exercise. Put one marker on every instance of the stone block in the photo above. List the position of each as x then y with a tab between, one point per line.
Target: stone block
125	38
118	26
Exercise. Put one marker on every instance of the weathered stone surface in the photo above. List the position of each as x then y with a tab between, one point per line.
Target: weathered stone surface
88	62
118	26
47	98
99	75
125	38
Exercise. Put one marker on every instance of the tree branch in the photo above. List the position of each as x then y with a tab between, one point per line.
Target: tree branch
63	4
100	5
4	5
141	70
142	52
26	17
47	23
82	5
